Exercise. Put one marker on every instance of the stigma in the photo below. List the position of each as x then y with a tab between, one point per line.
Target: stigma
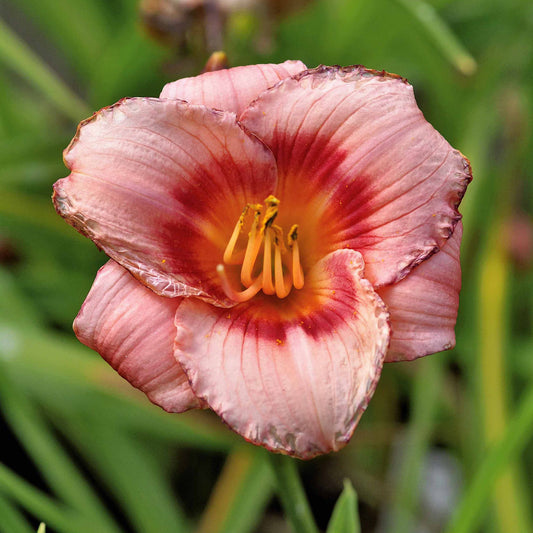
268	262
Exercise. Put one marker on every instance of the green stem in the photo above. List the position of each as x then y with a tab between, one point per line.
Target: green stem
510	508
292	495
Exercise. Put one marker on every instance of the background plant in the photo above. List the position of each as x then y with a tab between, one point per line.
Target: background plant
446	442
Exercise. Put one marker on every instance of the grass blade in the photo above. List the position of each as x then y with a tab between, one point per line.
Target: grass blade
85	27
12	520
345	517
132	473
51	459
441	34
39	504
242	491
425	401
19	57
468	516
291	493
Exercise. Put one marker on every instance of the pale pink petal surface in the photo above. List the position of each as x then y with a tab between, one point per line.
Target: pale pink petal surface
363	254
423	306
231	89
133	330
158	184
353	148
292	375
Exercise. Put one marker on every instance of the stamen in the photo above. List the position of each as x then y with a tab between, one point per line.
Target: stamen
271	278
238	296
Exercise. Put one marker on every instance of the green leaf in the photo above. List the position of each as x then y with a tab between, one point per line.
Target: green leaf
467	517
291	494
53	367
21	58
443	37
85	26
52	460
426	397
345	517
61	518
133	473
241	493
128	67
12	519
24	207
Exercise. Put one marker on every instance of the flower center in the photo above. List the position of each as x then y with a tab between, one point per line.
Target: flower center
280	269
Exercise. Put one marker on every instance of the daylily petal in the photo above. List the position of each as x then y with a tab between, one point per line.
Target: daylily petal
133	330
353	148
423	306
231	89
292	375
159	184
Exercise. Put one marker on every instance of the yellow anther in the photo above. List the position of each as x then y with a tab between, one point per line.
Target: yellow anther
271	211
293	235
229	258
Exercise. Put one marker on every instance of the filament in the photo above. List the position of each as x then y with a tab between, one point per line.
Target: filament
238	296
268	287
252	249
283	285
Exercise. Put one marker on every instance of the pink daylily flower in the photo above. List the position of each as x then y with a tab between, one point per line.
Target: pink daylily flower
276	234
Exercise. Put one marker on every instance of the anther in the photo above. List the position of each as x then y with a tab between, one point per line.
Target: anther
272	209
228	252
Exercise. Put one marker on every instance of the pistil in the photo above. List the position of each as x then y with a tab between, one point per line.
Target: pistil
274	275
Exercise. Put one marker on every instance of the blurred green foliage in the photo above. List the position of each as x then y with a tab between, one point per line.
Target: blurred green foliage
85	453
